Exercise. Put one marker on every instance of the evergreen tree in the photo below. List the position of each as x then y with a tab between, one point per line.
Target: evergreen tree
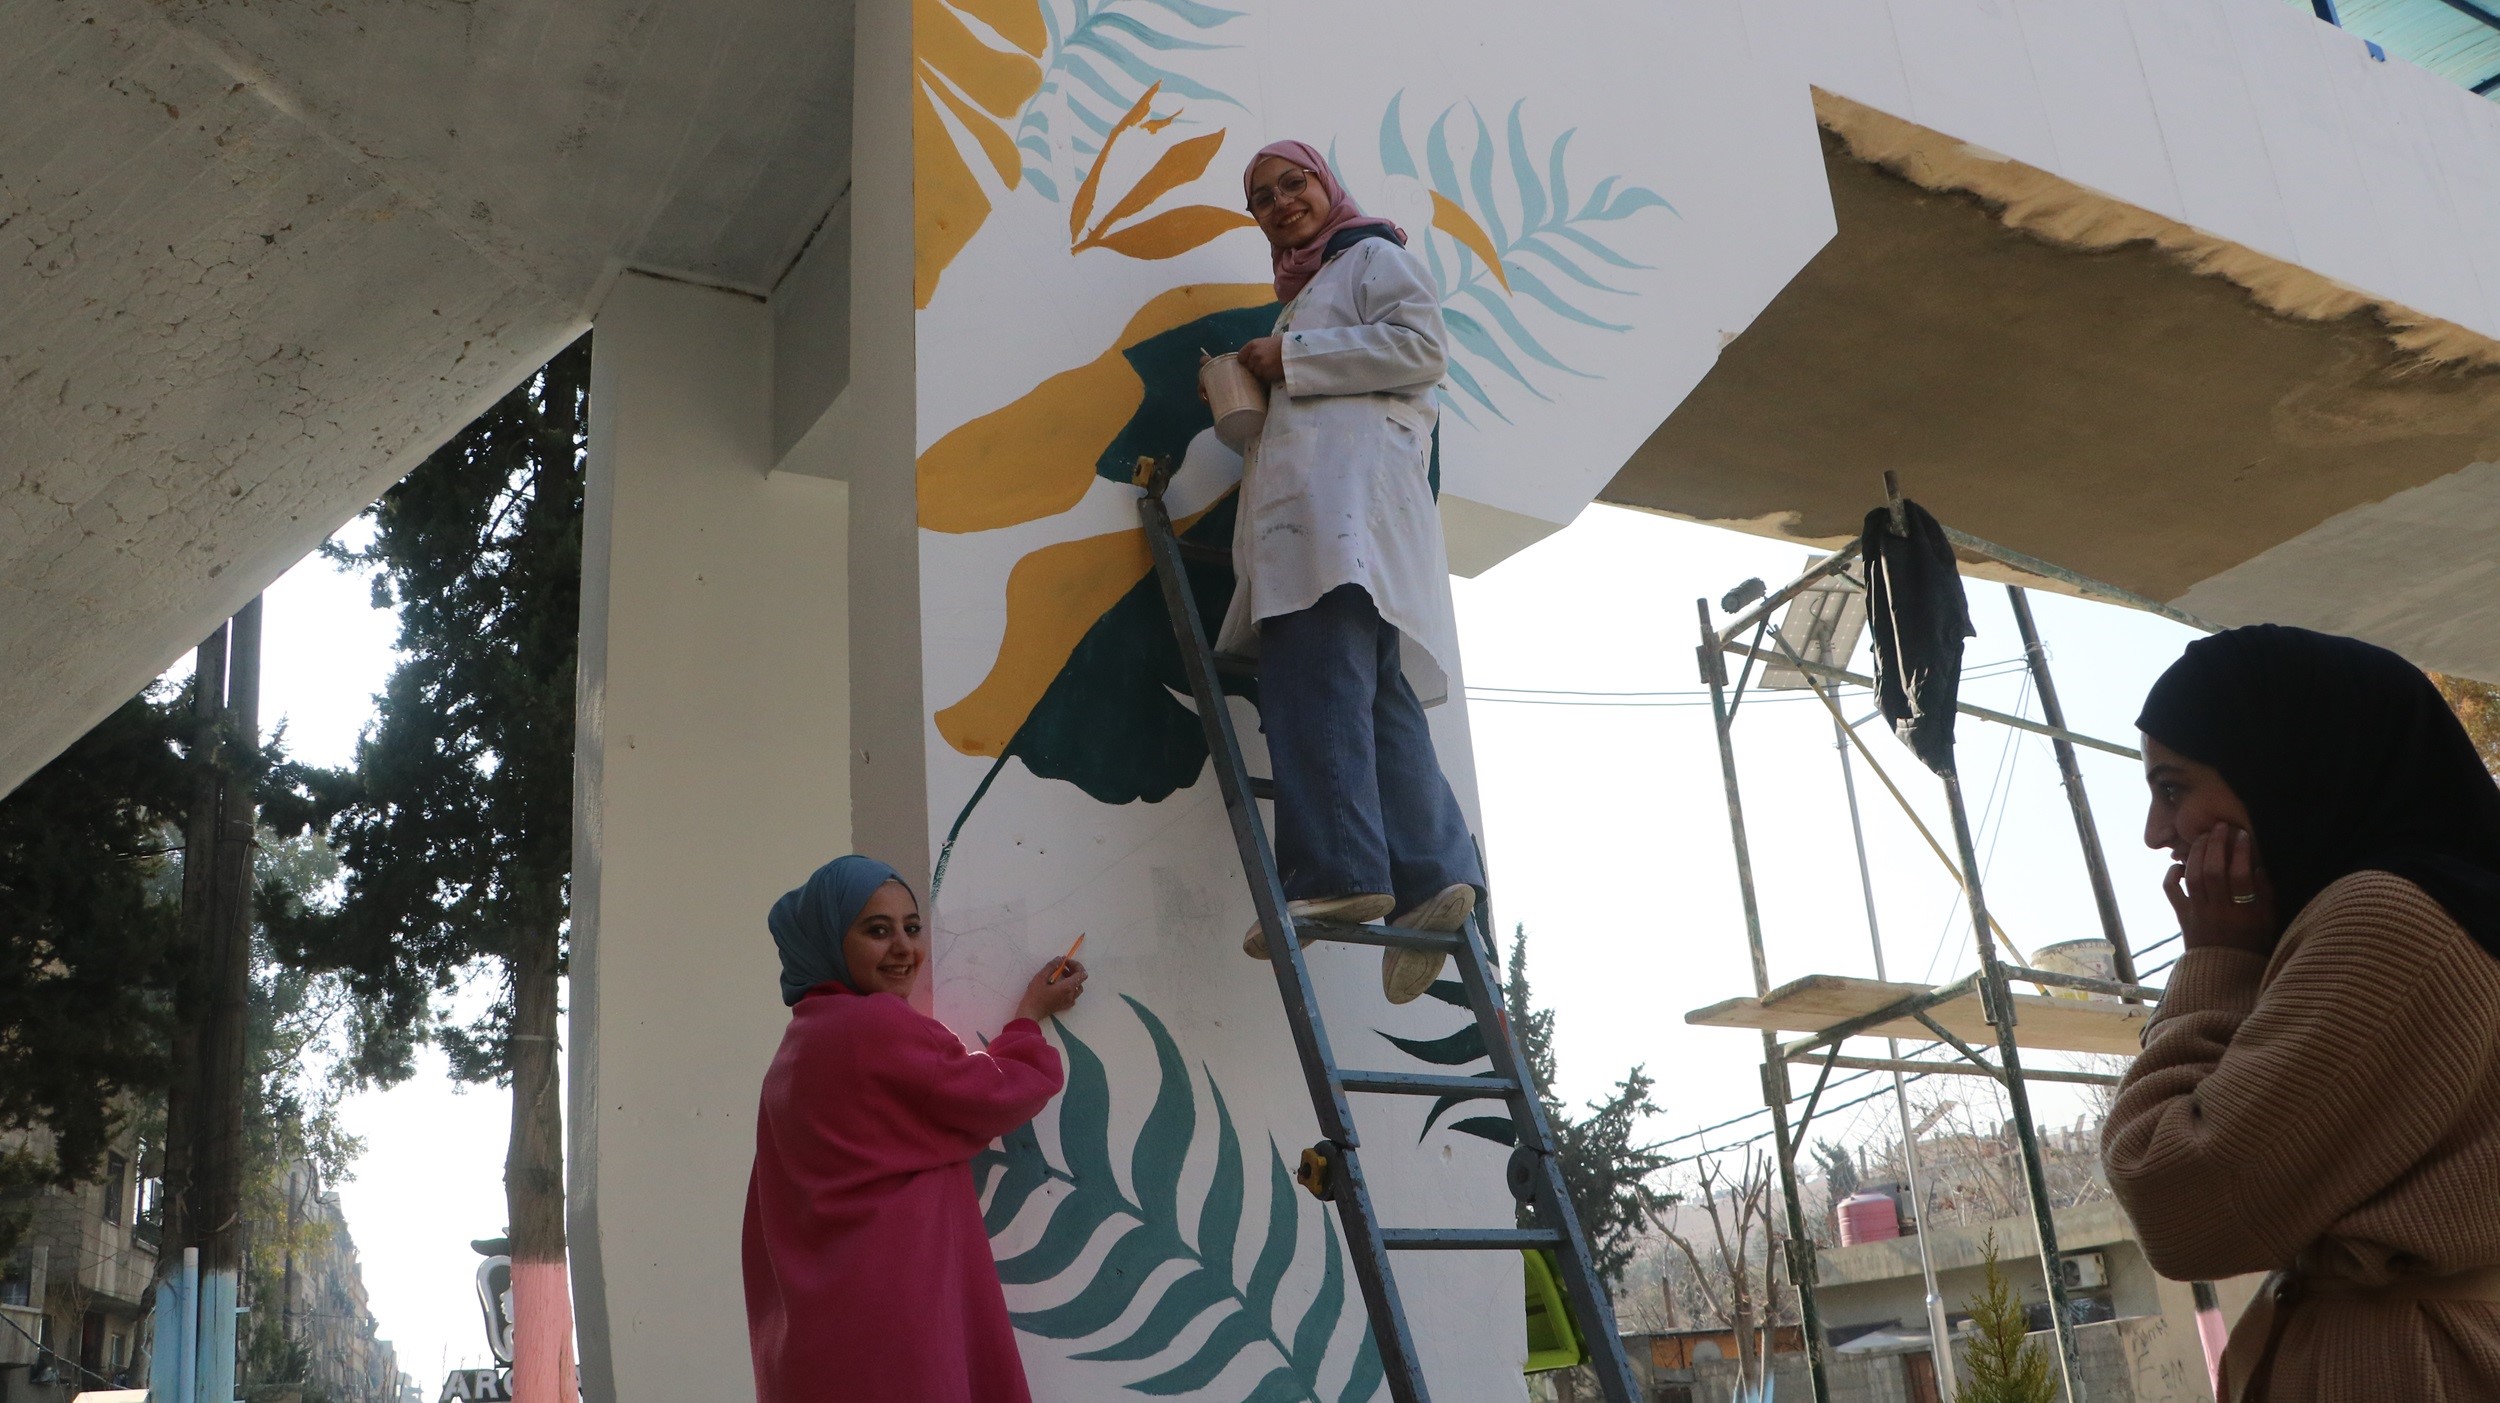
88	959
2004	1366
455	828
1606	1169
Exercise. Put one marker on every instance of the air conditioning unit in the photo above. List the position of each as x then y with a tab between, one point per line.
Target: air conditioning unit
2083	1271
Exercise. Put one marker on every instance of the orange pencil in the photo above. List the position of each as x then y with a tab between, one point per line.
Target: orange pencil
1063	959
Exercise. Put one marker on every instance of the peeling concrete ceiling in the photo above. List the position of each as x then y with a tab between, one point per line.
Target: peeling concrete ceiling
256	260
2113	410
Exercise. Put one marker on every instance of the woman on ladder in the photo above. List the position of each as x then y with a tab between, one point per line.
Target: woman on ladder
1344	580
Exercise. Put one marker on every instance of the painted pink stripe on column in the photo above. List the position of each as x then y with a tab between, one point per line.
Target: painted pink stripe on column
542	1334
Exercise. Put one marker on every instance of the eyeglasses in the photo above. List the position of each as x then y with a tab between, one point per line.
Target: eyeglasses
1287	186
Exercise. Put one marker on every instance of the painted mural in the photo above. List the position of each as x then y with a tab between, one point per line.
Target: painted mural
1080	246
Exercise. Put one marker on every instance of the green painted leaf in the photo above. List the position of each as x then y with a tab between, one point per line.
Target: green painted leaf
1442	1105
1280	1386
1310	1338
1480	176
1395	159
1219	1218
1497	1129
1085	1106
1072	1225
1163	1141
1276	1254
1523	174
1187	1299
1020	1171
1455	1049
1448	991
1557	184
1232	1335
1166	365
1365	1379
1116	1283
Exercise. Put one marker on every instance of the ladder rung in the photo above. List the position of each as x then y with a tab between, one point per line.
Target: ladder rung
1198	550
1467	1239
1261	787
1427	1084
1447	942
1235	665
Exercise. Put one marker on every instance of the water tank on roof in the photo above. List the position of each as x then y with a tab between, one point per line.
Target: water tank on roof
1869	1217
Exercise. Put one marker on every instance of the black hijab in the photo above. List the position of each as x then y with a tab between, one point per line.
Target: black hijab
2348	759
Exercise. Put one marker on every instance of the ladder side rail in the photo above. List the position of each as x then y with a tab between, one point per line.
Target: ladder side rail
2010	1073
1551	1201
1400	1364
1774	1071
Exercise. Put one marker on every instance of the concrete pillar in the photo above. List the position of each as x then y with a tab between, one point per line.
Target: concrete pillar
712	776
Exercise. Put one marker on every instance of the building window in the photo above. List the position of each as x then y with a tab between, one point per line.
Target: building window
116	1170
17	1279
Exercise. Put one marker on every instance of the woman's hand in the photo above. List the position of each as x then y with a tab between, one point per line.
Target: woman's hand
2221	893
1265	358
1045	996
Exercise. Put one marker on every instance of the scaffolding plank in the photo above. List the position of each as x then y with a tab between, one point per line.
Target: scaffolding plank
1819	1001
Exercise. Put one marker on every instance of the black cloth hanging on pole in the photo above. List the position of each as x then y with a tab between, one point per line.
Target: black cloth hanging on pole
1914	600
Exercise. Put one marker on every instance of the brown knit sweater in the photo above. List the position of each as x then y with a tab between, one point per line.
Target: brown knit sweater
2342	1096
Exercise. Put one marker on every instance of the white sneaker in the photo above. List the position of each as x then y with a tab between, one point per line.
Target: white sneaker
1406	974
1355	910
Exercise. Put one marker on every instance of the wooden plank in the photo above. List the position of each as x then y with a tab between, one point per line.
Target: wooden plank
1818	1001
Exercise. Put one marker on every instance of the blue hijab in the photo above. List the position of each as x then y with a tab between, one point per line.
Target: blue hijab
808	923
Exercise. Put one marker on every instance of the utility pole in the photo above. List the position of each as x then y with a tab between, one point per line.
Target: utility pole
204	1148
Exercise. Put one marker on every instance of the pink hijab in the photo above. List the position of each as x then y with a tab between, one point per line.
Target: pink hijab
1296	266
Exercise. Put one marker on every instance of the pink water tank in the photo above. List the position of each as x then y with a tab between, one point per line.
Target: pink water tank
1868	1217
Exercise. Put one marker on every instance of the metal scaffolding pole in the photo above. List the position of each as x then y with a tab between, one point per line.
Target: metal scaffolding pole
2095	865
1775	1093
1940	1346
1998	995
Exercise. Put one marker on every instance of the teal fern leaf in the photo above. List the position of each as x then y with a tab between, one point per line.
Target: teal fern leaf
1550	244
1248	1315
1098	56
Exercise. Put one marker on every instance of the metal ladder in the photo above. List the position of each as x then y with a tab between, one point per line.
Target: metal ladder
1332	1169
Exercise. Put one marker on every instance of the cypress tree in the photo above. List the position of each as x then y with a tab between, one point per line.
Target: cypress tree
455	826
2004	1366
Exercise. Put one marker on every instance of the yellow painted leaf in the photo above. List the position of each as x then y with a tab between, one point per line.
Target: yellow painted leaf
1000	80
1035	457
1083	204
1450	219
1156	124
992	138
1053	596
1019	22
1175	168
947	203
1172	233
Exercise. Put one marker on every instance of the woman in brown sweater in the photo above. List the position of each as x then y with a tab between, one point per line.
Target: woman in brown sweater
2319	1093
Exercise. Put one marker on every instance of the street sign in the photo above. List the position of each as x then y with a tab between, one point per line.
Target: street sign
477	1386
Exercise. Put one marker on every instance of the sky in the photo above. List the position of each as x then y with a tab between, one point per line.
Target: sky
1605	826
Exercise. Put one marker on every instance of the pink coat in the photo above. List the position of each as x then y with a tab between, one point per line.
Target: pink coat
868	1273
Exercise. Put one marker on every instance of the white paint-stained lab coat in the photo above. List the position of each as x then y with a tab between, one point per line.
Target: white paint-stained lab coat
1334	488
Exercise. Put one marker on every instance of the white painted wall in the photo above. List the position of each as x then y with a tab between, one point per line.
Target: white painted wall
714	723
2248	119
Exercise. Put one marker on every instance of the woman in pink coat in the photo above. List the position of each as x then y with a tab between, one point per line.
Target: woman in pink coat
868	1274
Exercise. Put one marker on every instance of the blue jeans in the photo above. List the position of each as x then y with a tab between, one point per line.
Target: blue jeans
1361	803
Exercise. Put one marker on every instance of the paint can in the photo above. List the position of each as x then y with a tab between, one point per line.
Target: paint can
1235	395
2092	958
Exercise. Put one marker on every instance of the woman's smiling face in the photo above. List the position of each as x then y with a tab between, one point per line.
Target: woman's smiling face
1288	220
884	947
